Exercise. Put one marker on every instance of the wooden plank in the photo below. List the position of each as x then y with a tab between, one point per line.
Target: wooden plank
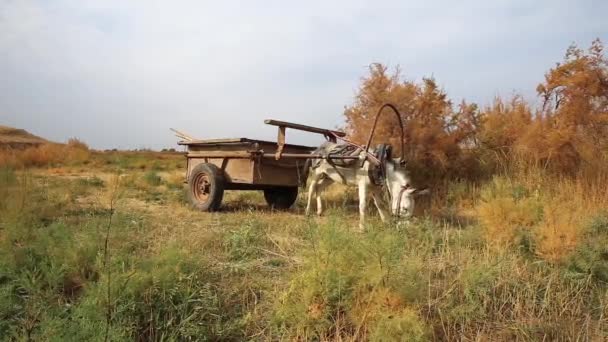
235	170
214	141
182	135
238	142
280	142
223	154
326	132
308	156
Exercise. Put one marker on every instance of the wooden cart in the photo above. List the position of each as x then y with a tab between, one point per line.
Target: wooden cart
276	168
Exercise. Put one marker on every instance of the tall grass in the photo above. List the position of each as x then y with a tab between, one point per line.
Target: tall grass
64	275
48	154
436	282
529	263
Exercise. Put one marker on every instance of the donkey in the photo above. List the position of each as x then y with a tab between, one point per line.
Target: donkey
324	173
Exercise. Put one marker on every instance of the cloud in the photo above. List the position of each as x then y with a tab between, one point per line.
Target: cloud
120	73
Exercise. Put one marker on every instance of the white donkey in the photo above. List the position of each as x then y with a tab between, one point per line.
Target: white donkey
396	180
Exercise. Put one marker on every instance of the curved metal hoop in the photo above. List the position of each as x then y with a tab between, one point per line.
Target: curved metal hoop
371	134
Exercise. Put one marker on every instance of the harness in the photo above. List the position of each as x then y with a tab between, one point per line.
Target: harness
379	159
382	154
377	174
403	190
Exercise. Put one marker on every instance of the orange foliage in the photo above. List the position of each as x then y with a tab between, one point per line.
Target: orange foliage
434	131
569	131
503	124
46	154
572	127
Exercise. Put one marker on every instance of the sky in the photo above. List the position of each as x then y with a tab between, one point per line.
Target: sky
120	73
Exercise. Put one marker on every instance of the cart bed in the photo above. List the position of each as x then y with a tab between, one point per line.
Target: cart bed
242	165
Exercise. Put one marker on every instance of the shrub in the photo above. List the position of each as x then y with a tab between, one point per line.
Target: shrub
47	154
77	144
152	178
92	182
347	284
561	228
591	256
243	243
507	212
168	297
404	325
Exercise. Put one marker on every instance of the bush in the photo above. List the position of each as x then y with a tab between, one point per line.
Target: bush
243	243
507	212
48	154
168	297
591	256
152	178
94	181
561	228
346	286
405	325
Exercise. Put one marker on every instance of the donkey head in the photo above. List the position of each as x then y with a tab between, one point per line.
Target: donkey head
401	191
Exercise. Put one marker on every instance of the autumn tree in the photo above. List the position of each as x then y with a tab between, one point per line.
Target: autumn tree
434	132
572	125
503	123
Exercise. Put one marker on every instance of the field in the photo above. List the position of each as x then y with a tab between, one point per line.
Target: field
511	244
107	248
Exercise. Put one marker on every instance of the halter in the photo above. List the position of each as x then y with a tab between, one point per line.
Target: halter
403	189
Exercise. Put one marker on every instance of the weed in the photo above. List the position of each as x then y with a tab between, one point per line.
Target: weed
506	213
152	178
250	274
243	243
93	181
591	256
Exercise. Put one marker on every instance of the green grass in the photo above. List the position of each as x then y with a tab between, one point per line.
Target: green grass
250	273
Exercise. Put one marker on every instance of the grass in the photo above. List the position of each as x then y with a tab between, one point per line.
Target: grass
529	262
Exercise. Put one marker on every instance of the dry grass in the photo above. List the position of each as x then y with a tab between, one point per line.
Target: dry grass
46	154
258	274
551	210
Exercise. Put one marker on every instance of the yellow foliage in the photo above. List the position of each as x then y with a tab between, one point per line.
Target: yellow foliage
562	226
503	216
566	211
45	154
550	210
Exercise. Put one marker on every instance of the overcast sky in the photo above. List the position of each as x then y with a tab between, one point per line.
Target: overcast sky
119	73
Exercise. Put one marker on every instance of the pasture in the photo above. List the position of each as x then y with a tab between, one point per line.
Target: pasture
106	247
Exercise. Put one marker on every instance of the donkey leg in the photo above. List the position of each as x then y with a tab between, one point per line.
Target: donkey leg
312	190
377	196
362	204
321	186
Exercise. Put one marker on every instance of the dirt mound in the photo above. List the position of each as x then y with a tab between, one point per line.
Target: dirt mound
18	138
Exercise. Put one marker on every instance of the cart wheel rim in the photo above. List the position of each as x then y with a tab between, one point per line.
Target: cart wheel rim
202	187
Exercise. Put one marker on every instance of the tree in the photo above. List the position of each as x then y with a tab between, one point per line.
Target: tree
434	132
574	112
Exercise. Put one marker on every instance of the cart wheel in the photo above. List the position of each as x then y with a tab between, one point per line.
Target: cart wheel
206	187
281	197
